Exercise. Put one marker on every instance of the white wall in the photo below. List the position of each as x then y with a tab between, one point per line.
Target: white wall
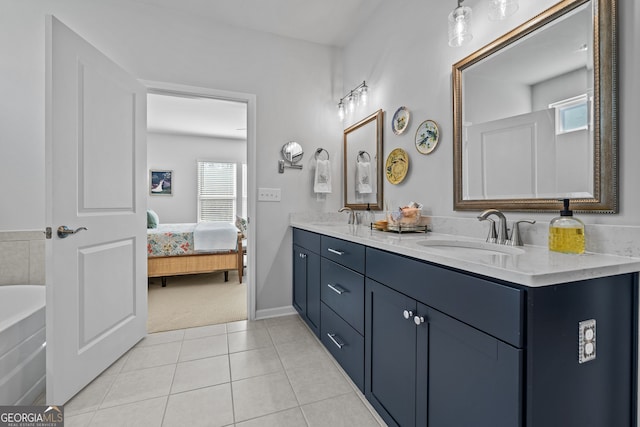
294	82
180	153
404	56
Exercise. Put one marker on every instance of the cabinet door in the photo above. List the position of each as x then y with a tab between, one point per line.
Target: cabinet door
465	377
306	286
390	354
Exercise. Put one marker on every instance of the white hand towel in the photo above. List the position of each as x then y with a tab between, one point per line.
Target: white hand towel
322	181
363	171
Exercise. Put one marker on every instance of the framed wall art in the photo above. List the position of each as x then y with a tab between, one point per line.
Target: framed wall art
160	182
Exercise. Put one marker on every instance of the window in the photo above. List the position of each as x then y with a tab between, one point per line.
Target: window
571	114
216	191
244	190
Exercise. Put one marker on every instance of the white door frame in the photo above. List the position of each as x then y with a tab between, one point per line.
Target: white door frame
250	100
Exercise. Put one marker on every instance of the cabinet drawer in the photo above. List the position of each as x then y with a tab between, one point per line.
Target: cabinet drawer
344	343
346	253
342	290
307	240
492	307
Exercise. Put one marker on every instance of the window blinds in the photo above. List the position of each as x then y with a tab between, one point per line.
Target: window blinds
216	191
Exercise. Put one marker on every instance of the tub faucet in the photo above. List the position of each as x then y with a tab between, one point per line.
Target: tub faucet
352	216
503	234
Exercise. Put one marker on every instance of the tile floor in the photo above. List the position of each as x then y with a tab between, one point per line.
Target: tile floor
271	372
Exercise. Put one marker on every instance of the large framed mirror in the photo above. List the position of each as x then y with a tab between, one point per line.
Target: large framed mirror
535	114
363	163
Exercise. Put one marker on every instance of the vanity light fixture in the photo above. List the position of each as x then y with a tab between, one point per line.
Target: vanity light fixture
502	9
459	22
356	96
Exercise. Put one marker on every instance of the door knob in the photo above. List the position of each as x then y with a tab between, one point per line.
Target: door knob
64	231
407	314
418	320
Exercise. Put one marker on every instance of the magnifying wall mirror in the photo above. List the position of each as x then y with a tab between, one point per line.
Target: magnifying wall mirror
535	114
363	163
292	153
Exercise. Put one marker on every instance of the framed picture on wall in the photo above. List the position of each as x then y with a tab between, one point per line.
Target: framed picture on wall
160	182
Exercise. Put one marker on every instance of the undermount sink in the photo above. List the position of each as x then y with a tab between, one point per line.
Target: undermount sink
457	246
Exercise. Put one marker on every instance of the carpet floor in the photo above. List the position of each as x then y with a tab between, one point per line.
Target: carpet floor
195	300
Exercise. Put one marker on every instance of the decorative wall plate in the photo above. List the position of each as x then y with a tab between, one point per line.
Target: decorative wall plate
427	136
400	121
397	166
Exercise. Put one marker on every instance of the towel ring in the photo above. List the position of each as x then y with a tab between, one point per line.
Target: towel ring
319	151
361	155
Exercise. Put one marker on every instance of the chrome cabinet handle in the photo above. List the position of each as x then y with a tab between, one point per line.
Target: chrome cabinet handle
332	337
303	256
418	320
334	251
407	314
64	231
337	289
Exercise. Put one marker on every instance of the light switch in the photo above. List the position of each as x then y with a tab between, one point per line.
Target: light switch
268	194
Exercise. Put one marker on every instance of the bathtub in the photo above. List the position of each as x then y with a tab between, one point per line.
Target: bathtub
22	344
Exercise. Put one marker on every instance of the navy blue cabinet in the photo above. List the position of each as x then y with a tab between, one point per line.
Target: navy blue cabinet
306	277
438	347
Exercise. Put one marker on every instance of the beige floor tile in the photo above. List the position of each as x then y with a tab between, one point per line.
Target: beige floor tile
206	407
116	366
201	373
302	352
263	395
282	320
205	331
252	363
249	340
140	385
245	325
289	418
312	383
81	420
147	413
288	332
153	355
201	348
89	398
161	338
342	411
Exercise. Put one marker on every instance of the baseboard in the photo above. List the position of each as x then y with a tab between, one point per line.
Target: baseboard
275	312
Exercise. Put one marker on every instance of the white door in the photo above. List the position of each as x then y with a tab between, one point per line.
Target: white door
95	171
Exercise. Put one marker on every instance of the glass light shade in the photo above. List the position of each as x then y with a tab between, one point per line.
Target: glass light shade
351	103
459	26
341	111
501	9
364	95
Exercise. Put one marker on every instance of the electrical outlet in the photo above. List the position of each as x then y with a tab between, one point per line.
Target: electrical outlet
586	340
268	194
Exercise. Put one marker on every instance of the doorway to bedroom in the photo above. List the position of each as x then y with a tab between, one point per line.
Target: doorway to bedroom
197	158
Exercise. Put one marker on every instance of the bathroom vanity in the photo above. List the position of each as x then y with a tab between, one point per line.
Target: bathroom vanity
458	333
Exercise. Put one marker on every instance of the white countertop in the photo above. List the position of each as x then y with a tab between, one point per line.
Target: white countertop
533	266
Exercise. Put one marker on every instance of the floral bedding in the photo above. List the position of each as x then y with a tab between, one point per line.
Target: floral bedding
170	240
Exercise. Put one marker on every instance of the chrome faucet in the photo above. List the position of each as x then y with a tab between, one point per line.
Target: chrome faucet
352	216
503	233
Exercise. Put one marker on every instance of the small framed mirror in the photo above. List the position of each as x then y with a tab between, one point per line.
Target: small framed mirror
363	163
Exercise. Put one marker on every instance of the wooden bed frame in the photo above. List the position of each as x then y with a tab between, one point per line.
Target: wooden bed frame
164	266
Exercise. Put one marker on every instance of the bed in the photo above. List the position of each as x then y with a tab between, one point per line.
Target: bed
206	247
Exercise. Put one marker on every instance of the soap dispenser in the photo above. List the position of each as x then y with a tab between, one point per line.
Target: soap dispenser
566	232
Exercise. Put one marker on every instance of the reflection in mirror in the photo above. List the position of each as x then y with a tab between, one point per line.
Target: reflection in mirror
534	118
363	163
